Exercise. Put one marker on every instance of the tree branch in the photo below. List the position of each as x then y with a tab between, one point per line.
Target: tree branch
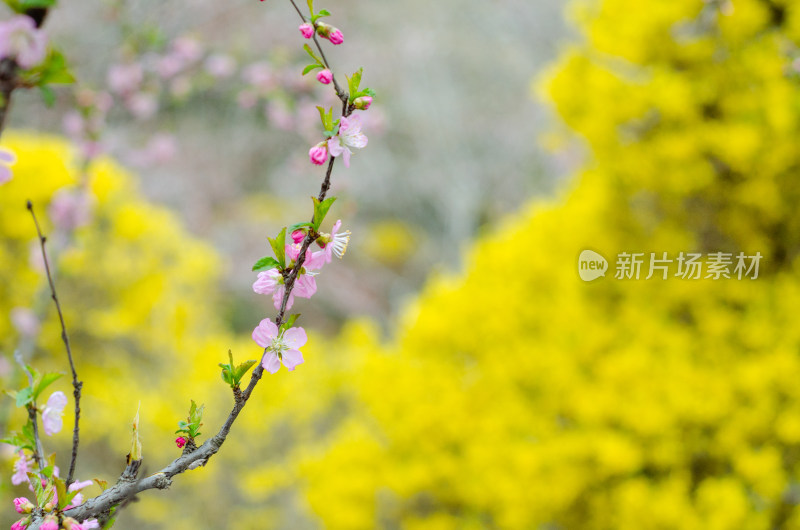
76	385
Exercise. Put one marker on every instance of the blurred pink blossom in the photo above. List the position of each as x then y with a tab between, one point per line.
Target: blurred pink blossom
220	65
247	99
125	78
142	105
71	208
21	467
25	321
169	65
73	123
53	412
20	39
187	48
162	148
7	157
260	76
279	115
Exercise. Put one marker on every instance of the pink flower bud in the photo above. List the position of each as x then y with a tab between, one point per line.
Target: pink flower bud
363	102
21	524
307	30
298	236
319	153
336	36
23	505
329	32
325	77
50	523
180	441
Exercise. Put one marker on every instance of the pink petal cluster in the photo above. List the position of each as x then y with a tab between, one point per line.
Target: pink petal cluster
22	40
350	135
319	153
281	347
272	282
307	30
21	524
23	505
53	412
334	243
22	465
334	35
7	157
125	78
220	65
325	76
180	441
71	209
50	523
363	102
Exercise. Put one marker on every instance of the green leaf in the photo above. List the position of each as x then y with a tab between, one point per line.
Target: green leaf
24	5
321	210
310	52
279	247
102	483
242	369
291	320
48	96
25	397
61	490
367	92
56	70
310	6
323	13
227	373
326	117
311	67
297	226
44	381
265	263
353	83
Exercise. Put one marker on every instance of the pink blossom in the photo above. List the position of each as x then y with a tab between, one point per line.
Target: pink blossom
161	148
319	153
71	209
334	243
22	466
350	135
307	30
271	282
169	65
282	347
187	49
53	411
72	524
363	102
336	36
73	123
77	500
25	321
125	78
6	157
21	524
142	105
298	235
88	524
50	523
180	441
20	39
220	65
325	76
23	505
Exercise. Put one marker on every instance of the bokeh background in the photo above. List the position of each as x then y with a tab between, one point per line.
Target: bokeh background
459	372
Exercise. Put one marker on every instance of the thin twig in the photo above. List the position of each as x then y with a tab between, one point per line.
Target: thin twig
125	490
76	385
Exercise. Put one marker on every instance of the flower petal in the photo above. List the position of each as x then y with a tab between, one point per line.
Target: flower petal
306	286
291	358
335	147
57	401
265	332
295	338
346	157
270	362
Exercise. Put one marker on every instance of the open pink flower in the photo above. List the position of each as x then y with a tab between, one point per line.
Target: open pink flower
350	135
281	347
271	282
8	157
53	411
334	243
21	467
22	40
125	78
